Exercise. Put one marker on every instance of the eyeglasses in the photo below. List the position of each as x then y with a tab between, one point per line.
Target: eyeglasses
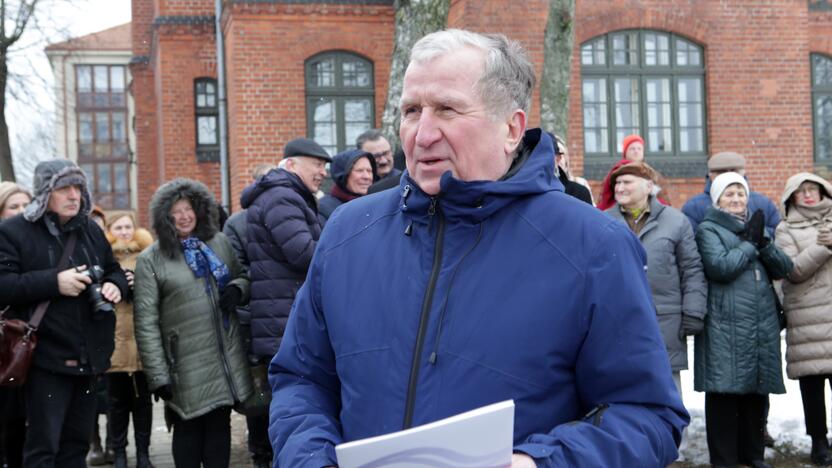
381	154
809	189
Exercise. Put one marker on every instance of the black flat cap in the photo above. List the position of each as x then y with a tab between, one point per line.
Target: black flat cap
305	147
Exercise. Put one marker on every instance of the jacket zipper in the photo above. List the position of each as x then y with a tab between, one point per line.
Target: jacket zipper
218	329
423	320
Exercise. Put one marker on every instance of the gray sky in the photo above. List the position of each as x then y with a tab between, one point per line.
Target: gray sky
31	105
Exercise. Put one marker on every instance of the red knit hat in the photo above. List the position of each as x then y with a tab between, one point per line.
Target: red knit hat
629	140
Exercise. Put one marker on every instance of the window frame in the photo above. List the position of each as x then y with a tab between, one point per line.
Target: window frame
672	162
206	152
91	162
338	93
817	91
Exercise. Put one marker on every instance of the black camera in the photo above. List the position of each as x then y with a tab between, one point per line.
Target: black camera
97	301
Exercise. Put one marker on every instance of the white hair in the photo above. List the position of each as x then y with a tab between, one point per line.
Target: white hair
507	79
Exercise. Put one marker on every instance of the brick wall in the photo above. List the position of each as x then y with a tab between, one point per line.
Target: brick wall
756	57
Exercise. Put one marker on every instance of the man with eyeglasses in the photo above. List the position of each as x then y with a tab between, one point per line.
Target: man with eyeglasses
373	142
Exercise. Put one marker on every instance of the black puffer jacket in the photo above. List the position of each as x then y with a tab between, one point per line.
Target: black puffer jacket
282	231
71	338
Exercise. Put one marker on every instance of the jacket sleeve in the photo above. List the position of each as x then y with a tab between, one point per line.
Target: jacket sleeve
772	216
722	264
146	321
113	273
693	282
778	264
239	272
806	262
621	370
693	212
19	288
303	418
286	221
235	236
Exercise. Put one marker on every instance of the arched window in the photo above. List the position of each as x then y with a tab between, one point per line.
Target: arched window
206	115
822	106
339	99
651	83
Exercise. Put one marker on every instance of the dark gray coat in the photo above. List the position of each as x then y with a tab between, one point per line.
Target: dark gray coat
674	271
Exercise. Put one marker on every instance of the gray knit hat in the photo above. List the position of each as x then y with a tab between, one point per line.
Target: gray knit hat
51	175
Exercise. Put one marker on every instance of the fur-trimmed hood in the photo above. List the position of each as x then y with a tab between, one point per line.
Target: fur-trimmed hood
141	240
203	203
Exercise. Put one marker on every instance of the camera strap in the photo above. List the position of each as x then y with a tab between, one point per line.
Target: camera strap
34	322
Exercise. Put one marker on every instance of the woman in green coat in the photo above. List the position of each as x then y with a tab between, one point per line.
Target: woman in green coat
737	357
187	286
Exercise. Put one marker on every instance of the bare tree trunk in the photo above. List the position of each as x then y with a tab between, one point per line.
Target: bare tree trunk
414	19
557	67
6	167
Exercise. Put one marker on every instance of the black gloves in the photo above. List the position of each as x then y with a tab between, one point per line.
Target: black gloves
230	299
755	230
690	326
165	392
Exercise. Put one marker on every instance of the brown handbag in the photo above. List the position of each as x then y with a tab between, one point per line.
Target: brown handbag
18	339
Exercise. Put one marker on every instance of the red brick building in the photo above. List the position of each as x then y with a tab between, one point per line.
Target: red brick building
693	77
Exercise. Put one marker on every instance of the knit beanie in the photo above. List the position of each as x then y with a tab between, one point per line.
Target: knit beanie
629	140
722	181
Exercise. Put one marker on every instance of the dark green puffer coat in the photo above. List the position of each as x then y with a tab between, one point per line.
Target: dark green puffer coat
739	350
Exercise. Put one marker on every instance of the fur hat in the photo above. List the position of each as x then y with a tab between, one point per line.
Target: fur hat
722	181
638	169
629	140
52	175
202	202
726	161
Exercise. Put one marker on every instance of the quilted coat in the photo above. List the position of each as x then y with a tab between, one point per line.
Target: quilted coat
739	350
807	292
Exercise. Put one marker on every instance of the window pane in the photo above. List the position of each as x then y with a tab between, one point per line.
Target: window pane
102	178
102	126
823	127
200	100
88	171
687	53
206	130
821	70
119	127
85	132
357	110
690	140
120	177
656	49
356	74
117	100
659	122
101	83
596	128
626	108
625	49
594	53
586	54
210	88
101	99
84	78
324	130
323	73
691	110
117	78
324	111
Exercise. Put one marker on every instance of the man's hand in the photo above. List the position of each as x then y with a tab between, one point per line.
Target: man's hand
690	326
131	278
73	281
165	392
111	292
521	460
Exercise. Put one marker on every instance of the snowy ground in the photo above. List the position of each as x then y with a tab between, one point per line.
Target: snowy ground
785	419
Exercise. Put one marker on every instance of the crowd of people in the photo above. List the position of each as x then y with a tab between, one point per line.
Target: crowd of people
484	272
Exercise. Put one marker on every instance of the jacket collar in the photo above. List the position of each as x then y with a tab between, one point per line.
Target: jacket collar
652	220
532	174
278	178
725	220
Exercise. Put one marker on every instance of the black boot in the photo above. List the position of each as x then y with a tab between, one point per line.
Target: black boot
96	456
820	451
120	458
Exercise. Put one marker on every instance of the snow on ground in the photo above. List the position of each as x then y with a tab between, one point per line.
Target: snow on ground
785	418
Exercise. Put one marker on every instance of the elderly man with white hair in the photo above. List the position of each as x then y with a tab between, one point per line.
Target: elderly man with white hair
495	288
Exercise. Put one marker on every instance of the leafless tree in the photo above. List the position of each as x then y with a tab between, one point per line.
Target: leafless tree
558	41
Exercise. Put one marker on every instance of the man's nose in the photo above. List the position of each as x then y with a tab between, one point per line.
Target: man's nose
74	192
428	131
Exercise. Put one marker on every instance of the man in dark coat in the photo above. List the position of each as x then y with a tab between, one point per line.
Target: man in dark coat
282	230
76	336
373	142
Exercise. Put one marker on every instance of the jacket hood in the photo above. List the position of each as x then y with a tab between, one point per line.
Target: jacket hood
142	239
533	172
342	164
203	203
794	182
276	178
51	175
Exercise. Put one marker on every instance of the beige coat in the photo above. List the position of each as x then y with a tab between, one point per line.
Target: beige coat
125	356
807	293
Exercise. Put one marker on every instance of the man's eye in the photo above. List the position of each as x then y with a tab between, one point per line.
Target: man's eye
409	110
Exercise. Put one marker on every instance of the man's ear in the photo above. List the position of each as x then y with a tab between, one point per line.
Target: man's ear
516	129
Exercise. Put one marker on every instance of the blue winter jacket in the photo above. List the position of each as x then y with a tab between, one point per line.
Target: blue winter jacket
696	207
417	308
282	229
